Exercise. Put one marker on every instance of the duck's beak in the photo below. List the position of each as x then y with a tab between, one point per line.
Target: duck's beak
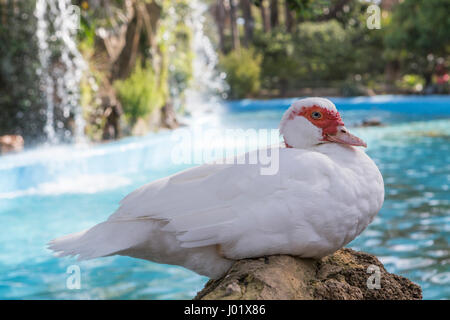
343	136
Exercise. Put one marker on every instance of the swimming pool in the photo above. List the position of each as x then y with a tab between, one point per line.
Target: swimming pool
49	192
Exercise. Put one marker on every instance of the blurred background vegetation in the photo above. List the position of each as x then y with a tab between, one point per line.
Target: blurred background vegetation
139	57
325	46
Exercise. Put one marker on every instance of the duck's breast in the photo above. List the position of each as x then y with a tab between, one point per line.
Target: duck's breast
321	200
357	187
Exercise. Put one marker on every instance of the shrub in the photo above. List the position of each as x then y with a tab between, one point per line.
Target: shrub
139	93
243	69
314	55
411	82
280	64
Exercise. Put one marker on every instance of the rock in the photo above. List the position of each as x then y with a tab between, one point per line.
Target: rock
11	143
373	122
112	112
344	275
168	116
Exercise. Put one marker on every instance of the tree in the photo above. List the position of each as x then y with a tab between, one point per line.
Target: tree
418	34
248	21
273	13
234	28
289	18
220	19
264	15
22	105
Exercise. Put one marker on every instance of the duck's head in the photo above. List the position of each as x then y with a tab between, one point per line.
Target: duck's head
312	121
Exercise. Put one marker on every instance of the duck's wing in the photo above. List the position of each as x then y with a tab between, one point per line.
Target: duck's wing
217	204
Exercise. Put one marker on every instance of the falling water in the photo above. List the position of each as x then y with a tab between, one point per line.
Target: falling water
61	67
208	86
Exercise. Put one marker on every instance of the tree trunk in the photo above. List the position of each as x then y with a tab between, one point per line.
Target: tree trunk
428	76
273	13
127	58
265	16
234	28
391	74
249	23
220	18
289	19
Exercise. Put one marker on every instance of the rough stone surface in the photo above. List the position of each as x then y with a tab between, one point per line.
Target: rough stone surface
343	275
11	143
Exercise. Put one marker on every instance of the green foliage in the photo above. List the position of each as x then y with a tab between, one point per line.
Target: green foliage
324	50
331	46
140	93
22	106
175	47
411	82
418	34
243	69
93	111
351	88
420	25
86	37
163	68
179	57
318	52
279	60
182	57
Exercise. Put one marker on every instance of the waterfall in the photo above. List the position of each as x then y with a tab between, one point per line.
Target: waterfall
61	67
208	87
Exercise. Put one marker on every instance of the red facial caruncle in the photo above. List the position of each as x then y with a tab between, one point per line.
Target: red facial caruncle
331	124
323	118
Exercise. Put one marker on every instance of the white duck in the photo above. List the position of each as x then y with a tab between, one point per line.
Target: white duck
325	194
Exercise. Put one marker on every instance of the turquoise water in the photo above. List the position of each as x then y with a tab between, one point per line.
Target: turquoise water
49	192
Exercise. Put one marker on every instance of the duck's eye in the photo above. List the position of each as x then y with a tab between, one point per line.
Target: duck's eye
316	115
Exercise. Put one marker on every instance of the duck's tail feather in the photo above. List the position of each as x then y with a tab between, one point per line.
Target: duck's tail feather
105	239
